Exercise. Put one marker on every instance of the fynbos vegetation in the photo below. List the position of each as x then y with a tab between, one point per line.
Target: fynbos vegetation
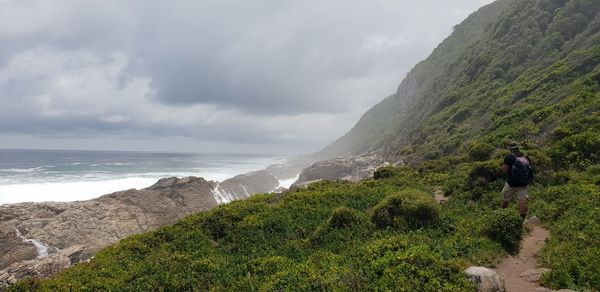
526	70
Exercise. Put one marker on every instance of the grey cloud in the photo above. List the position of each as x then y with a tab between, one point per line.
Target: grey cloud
278	72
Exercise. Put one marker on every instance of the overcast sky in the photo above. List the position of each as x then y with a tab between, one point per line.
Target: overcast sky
206	76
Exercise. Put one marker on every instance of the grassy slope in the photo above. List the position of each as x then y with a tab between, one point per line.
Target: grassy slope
532	76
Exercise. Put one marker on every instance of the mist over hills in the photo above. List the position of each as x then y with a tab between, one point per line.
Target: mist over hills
515	69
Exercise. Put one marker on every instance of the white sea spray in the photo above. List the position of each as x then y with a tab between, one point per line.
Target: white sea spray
42	249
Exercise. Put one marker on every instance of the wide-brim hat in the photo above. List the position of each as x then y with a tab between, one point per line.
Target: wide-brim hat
514	145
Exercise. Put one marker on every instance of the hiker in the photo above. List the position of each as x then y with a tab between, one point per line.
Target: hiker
519	174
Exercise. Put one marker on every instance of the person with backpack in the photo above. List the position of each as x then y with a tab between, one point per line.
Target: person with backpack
519	172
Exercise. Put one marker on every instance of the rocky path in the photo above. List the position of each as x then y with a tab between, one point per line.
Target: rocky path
521	272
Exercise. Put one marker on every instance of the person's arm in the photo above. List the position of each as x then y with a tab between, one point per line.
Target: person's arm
508	161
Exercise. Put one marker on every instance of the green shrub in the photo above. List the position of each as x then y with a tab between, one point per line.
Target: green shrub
579	150
480	151
386	172
505	226
484	177
416	269
269	265
343	217
409	209
486	171
573	251
343	227
222	219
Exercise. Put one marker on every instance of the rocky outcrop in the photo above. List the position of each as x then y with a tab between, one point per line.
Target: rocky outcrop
352	168
291	168
42	267
39	239
245	185
486	280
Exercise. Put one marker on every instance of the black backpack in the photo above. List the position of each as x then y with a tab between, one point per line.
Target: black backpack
521	171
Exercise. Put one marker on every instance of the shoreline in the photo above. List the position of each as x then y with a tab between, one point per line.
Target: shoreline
69	190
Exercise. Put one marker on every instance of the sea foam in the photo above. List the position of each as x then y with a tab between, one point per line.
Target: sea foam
68	191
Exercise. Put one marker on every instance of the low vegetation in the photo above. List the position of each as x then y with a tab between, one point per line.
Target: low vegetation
384	234
526	70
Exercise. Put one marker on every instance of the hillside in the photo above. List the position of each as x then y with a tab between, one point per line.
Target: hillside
516	69
525	70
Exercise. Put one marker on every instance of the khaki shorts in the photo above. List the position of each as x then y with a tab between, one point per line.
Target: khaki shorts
509	193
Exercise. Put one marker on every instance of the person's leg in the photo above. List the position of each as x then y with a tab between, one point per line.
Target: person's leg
508	194
523	207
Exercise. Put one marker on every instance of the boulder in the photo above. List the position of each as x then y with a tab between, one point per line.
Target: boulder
487	280
533	220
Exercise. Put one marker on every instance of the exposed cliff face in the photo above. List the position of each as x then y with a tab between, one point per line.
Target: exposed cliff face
350	168
39	239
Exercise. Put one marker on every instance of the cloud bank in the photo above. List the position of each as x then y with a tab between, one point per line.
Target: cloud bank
213	75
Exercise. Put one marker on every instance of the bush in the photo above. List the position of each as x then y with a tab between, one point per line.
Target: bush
506	227
343	227
223	219
343	217
579	150
416	269
480	151
487	171
386	172
484	177
410	209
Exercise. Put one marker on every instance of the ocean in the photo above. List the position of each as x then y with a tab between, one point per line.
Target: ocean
67	175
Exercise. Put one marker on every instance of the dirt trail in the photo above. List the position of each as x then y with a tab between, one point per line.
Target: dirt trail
439	196
521	272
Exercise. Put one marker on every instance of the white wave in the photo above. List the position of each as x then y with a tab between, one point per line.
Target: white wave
287	183
245	190
222	196
42	249
111	164
69	191
23	170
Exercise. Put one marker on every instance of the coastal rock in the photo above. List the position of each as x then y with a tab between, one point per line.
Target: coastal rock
39	239
291	168
13	249
42	267
352	168
487	280
245	185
